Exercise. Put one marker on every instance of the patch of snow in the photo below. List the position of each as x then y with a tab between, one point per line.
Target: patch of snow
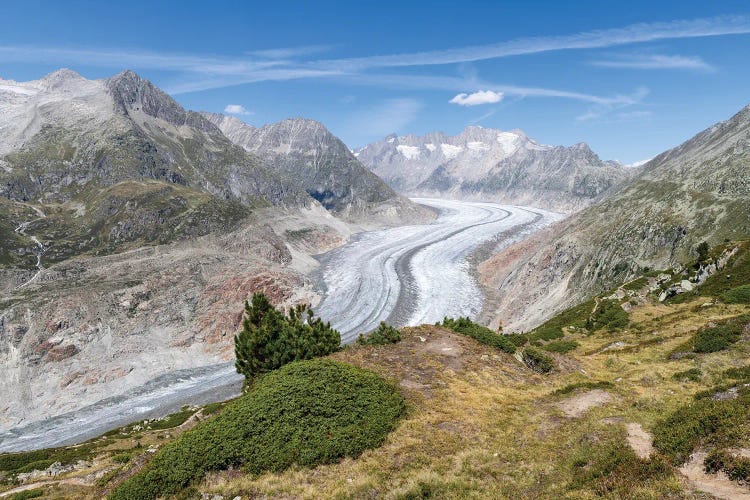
508	141
409	152
430	147
389	141
450	151
477	146
638	163
17	89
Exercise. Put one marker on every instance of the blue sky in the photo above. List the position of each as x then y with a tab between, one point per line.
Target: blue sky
630	78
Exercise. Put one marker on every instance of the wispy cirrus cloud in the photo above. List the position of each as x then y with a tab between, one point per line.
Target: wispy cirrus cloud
632	34
193	73
655	61
601	109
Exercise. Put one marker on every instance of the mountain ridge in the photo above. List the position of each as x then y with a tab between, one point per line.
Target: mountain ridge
493	165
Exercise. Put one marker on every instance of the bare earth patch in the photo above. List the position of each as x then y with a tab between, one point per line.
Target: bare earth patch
576	406
717	484
639	440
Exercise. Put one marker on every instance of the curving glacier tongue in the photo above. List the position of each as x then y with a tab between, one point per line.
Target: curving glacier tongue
411	275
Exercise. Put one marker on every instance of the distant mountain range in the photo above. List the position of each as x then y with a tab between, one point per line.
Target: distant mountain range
317	161
493	165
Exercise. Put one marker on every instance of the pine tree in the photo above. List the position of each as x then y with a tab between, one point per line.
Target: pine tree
269	339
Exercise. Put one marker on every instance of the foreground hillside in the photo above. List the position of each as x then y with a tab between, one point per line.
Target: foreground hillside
639	394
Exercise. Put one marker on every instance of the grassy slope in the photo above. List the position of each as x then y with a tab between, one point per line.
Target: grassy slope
481	424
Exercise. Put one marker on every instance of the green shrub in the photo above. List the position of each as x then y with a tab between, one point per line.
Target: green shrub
737	468
518	339
480	333
561	346
742	373
121	458
608	315
384	334
719	337
28	461
706	422
269	339
612	469
601	384
25	495
739	295
547	332
171	421
306	413
692	374
537	360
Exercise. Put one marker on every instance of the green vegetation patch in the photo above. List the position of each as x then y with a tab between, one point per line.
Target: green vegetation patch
610	315
384	334
738	295
719	337
27	461
601	384
25	495
737	468
613	470
480	333
306	413
537	360
708	423
561	346
691	374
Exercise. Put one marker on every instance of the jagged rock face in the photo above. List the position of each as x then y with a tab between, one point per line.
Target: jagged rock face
306	151
493	165
698	191
63	134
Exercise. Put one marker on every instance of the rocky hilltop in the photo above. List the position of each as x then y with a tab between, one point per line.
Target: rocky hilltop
696	192
321	165
488	164
131	231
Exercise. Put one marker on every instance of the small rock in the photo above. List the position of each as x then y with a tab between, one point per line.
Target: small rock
422	339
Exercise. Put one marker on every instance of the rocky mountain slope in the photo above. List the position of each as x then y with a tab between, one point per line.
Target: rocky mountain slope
493	165
322	165
698	191
131	231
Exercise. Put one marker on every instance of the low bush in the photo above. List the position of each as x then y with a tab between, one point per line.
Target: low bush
691	374
601	384
739	295
717	338
706	422
737	468
305	413
547	332
610	315
480	333
28	461
612	469
537	360
121	458
561	346
25	495
171	421
384	334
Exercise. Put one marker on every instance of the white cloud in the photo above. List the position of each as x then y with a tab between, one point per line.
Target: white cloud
603	108
236	109
656	61
477	98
